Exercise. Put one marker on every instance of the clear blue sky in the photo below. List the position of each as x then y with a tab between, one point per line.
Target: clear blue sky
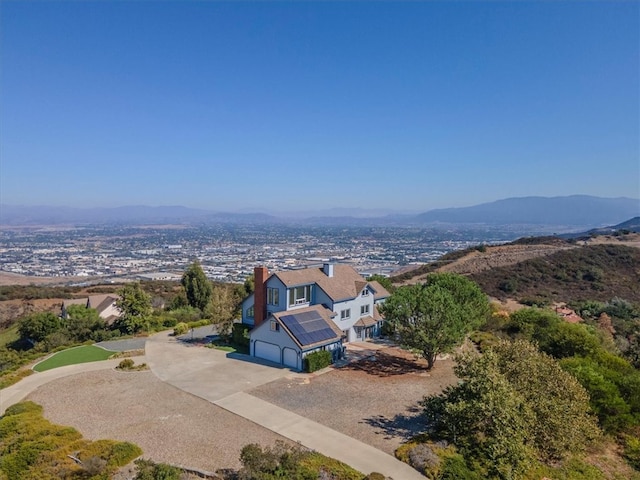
292	106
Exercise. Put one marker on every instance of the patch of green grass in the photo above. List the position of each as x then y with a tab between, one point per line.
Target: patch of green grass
71	356
231	347
9	335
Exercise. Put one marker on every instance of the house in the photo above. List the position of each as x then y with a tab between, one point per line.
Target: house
105	305
296	312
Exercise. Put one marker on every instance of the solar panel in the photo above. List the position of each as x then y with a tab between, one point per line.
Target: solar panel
308	327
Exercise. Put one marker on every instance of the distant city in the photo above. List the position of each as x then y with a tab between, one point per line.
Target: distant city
227	252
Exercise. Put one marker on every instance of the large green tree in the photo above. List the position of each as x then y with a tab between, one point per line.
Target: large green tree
81	322
435	317
197	286
514	405
135	305
37	326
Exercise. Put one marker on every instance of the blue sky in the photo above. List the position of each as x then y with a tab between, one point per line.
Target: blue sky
294	106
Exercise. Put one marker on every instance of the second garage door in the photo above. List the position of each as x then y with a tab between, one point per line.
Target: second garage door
290	358
268	351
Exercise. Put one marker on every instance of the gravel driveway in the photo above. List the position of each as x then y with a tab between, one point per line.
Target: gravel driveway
169	425
373	400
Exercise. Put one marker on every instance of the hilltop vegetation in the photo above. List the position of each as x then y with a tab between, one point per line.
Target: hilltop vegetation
32	447
592	272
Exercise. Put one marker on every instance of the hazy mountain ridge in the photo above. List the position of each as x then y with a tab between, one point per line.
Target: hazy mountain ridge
577	210
570	210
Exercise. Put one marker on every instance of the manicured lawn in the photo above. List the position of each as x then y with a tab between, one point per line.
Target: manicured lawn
83	354
228	347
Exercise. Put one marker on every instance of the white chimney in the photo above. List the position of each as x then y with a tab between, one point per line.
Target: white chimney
327	268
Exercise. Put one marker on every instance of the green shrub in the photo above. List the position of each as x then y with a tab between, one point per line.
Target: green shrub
149	470
632	451
375	476
180	329
199	323
455	468
126	364
240	334
484	340
317	360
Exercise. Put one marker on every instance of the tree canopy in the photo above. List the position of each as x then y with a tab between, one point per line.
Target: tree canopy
197	286
436	316
81	322
38	326
513	406
135	305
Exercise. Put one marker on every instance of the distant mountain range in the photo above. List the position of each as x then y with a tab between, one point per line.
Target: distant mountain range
579	211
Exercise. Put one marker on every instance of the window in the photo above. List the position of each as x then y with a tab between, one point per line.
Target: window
299	295
250	312
273	296
365	292
275	326
364	310
344	314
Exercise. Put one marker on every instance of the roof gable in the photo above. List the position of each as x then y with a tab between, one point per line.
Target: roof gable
344	284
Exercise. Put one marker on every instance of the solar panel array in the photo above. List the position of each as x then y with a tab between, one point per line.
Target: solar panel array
308	327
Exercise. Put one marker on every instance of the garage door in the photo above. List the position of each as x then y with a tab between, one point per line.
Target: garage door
290	358
268	351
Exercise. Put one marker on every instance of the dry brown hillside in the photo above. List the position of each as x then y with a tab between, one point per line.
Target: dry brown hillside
474	261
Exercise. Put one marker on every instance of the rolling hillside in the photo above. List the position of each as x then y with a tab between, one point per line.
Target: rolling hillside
547	268
591	272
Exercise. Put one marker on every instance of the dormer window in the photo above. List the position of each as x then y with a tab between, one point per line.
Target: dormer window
365	292
299	295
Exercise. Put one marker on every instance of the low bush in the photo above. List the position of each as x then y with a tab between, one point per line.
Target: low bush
632	451
126	364
149	470
317	360
180	329
375	476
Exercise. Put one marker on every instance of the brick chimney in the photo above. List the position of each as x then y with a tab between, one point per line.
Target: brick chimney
260	295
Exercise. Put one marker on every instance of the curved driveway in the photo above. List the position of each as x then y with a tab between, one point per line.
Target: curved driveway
224	379
18	391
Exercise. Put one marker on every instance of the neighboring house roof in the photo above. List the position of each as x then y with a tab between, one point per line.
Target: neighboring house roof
345	283
73	301
101	302
309	327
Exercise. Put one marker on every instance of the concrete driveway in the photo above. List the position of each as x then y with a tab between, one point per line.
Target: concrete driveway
206	372
224	379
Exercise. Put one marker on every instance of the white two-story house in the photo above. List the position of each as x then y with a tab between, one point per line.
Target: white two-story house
299	311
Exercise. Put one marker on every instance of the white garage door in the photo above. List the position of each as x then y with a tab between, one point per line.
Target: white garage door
290	358
268	351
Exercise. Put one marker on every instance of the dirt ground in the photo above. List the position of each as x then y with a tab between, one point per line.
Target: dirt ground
374	400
